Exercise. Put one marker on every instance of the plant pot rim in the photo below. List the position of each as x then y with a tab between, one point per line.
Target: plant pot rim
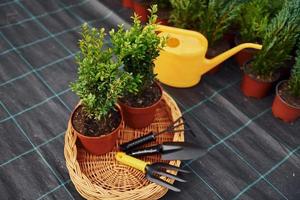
152	105
276	74
281	99
100	136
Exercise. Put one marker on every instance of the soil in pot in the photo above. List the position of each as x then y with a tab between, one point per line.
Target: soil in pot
285	94
216	50
285	105
91	127
139	111
148	97
97	136
255	86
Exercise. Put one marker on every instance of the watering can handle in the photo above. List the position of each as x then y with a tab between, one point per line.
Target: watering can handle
169	29
131	161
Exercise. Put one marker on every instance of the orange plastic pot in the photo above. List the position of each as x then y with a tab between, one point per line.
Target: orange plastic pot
141	10
127	3
139	117
283	110
255	88
101	144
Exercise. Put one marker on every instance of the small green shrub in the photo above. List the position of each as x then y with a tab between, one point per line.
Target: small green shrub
185	13
294	80
100	82
254	18
278	41
138	47
212	18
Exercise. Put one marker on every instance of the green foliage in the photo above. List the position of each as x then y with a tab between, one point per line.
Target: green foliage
217	18
137	48
100	82
278	41
294	80
185	13
255	16
210	17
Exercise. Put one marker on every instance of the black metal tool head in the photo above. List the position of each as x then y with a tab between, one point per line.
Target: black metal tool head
155	170
181	151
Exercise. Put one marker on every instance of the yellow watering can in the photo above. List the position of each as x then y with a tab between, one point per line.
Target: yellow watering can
182	62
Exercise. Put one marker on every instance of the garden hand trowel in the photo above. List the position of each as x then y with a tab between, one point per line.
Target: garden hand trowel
171	151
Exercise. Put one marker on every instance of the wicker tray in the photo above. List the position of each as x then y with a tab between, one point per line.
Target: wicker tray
102	177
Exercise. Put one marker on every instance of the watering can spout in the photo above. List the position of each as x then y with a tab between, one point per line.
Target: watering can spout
211	63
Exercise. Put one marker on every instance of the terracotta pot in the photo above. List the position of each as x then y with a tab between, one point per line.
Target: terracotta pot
101	144
127	3
139	117
255	88
252	87
284	110
141	10
244	56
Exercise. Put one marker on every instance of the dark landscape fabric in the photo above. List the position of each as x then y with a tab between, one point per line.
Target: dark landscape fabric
250	154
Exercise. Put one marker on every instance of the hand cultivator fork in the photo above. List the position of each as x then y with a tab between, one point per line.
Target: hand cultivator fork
153	171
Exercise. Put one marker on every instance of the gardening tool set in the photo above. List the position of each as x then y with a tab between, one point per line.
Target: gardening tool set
168	151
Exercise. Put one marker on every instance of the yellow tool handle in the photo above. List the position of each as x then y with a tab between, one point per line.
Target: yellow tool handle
131	161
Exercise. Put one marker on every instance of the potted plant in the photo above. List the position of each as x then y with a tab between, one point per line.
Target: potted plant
253	19
137	48
184	13
211	18
100	83
278	42
286	105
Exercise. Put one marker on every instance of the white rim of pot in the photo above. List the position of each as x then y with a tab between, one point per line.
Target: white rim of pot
277	94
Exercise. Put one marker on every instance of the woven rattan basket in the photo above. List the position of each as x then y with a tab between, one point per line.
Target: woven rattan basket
102	177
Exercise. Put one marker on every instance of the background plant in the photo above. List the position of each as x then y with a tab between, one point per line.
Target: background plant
185	13
137	48
278	41
100	82
294	80
210	17
255	16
